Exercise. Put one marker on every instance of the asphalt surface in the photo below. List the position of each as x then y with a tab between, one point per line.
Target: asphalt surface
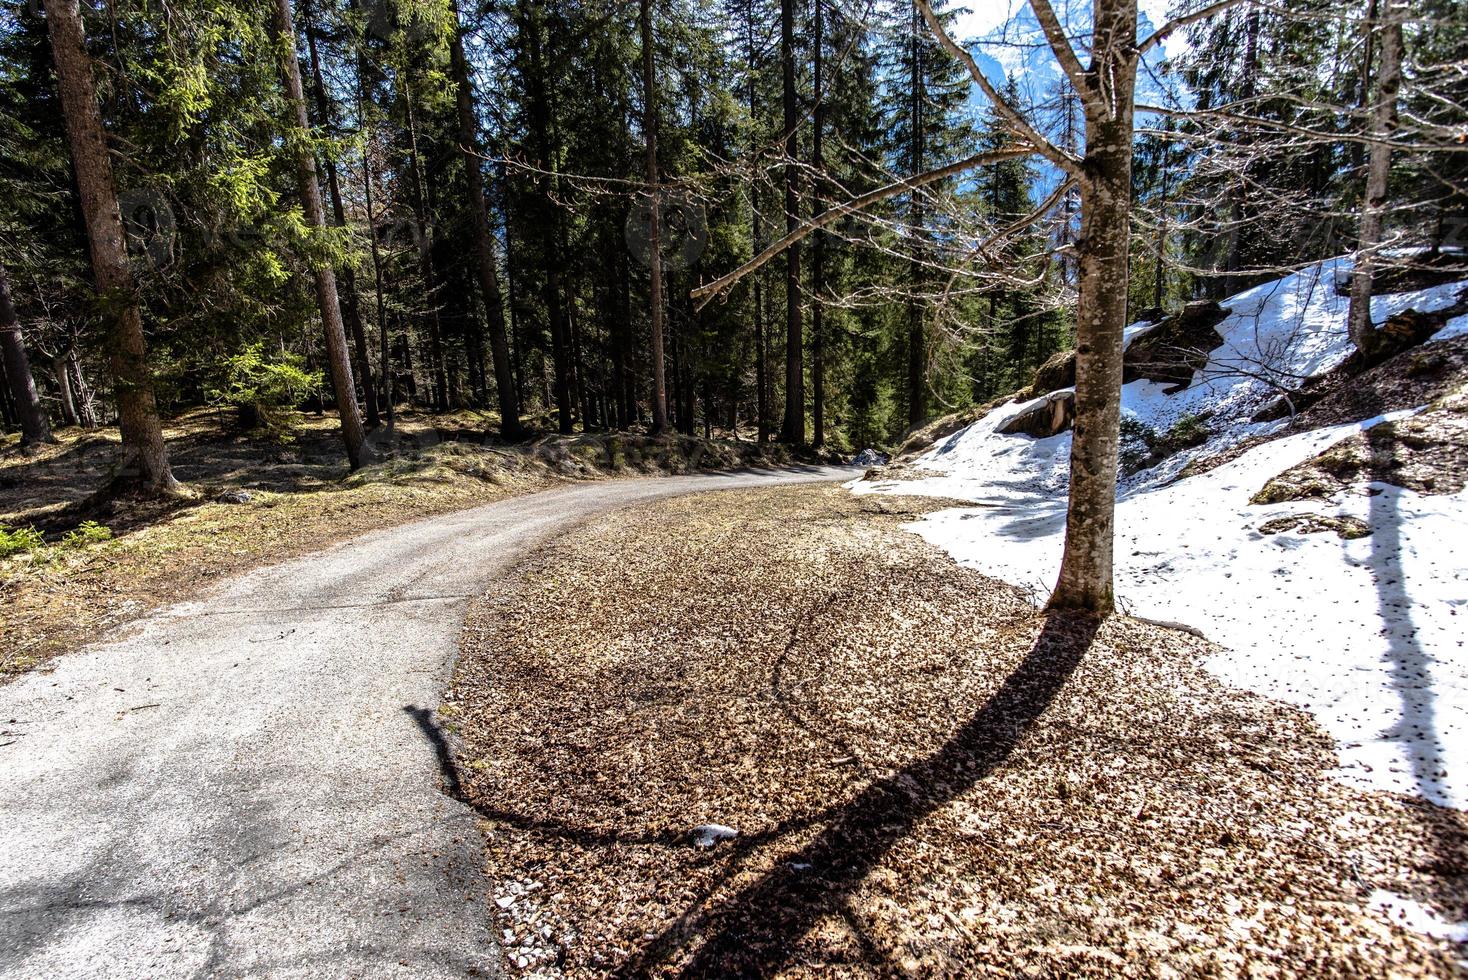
249	784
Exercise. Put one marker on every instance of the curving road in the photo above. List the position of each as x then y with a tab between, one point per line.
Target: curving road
240	786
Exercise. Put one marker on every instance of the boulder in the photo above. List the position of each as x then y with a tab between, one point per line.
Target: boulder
1176	347
1052	414
1056	373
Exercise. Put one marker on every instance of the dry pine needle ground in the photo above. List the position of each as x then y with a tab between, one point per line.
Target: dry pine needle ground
927	777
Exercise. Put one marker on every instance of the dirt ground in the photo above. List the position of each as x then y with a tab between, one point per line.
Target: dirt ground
301	498
927	777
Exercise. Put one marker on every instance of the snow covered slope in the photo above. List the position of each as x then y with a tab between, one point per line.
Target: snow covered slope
1368	634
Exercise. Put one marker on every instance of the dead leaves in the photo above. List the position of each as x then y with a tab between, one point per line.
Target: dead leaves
781	662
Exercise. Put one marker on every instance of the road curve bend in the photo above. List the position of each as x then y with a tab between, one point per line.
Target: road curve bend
239	786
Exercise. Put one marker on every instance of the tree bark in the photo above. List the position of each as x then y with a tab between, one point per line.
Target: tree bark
654	231
62	370
761	357
142	431
916	331
493	307
818	246
792	429
338	363
1378	169
351	312
550	223
1085	580
34	426
484	264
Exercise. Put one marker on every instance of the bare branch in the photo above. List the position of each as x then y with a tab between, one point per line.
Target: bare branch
1172	26
1060	44
707	291
1066	161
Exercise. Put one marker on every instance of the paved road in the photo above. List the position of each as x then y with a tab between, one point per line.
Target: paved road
240	785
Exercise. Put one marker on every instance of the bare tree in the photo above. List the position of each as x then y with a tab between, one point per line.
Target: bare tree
144	450
1373	207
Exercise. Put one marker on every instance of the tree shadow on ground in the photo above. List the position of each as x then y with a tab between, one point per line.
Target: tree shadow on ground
1418	729
754	932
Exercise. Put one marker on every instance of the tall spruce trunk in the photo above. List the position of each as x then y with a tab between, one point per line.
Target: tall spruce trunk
761	362
338	362
1378	169
550	216
351	311
145	455
917	408
654	217
422	208
792	429
484	264
30	413
1085	580
818	247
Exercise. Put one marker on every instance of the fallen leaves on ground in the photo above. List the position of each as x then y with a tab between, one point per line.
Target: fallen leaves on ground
927	776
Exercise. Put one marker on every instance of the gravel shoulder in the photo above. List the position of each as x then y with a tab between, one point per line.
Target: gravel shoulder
926	776
248	783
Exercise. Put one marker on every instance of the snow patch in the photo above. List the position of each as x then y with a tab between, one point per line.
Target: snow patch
1456	327
1366	634
1417	917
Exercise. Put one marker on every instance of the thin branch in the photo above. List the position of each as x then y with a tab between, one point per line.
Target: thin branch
1060	44
1202	13
1029	219
707	291
1066	161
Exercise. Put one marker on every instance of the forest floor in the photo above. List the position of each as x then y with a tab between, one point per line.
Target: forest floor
925	774
255	501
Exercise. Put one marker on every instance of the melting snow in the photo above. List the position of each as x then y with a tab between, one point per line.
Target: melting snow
1367	634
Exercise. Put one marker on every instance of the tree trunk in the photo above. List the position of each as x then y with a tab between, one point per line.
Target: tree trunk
818	247
34	426
81	392
1378	169
137	410
1086	567
422	208
351	313
918	158
654	230
550	216
62	370
484	264
338	362
761	362
792	429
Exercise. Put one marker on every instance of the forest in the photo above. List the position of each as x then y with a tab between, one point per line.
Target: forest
1134	332
482	175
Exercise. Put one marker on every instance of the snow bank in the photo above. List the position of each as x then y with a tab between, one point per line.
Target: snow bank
1367	634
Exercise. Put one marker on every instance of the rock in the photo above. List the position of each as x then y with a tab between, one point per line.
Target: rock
235	497
1056	373
869	457
1176	347
1347	528
708	834
1052	414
